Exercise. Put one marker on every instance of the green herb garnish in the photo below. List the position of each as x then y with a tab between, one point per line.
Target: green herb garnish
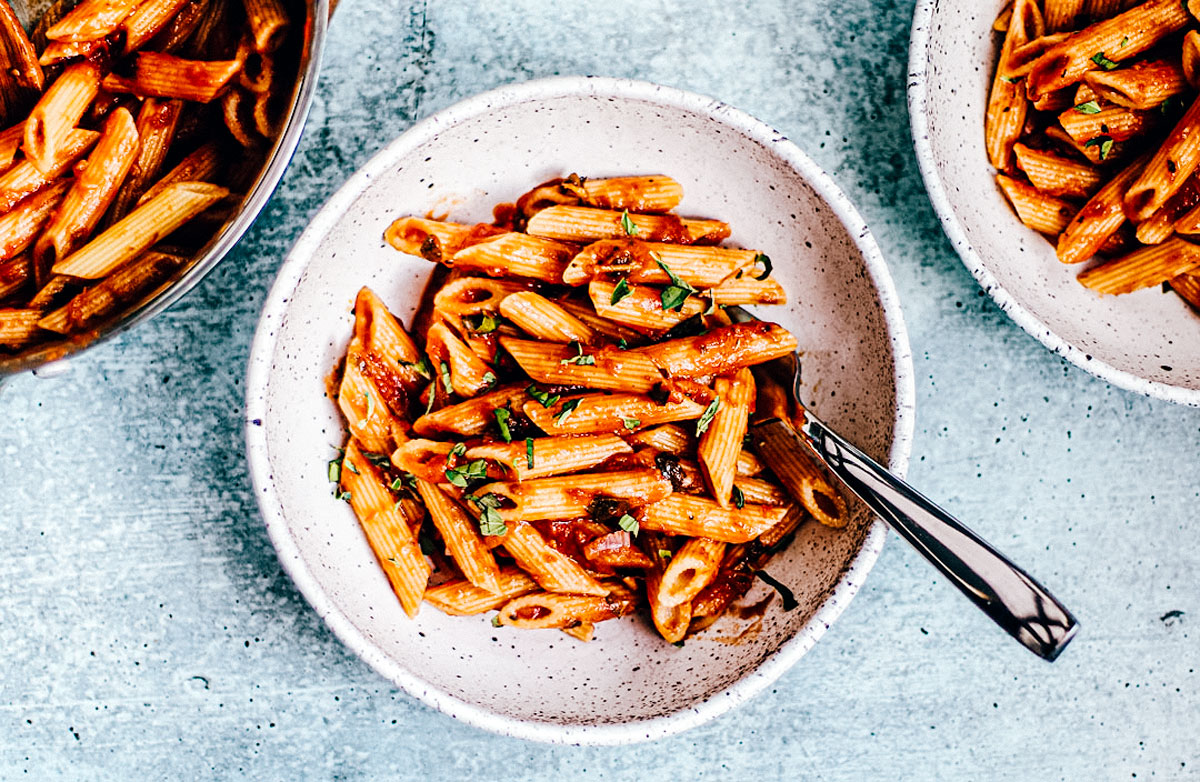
579	358
631	423
565	410
739	499
445	368
627	225
768	267
496	621
710	412
1091	107
481	323
1104	142
502	416
544	398
460	476
458	450
529	452
421	367
677	292
621	291
335	470
489	380
629	524
1104	62
490	522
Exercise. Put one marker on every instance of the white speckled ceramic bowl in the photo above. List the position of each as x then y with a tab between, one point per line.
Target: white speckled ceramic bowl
627	684
1146	341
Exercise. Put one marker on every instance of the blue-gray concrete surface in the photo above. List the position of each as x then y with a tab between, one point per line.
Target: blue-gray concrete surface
147	631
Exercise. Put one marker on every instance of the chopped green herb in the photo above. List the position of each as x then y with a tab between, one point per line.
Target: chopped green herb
664	553
529	452
1125	40
378	459
460	476
739	499
768	267
490	522
1168	105
446	378
343	496
629	524
335	470
1104	142
677	643
622	344
370	398
710	412
420	367
675	279
481	323
350	467
579	358
458	450
565	410
502	416
545	398
631	423
496	621
673	297
406	480
429	397
1009	79
627	225
621	291
1104	62
489	380
1091	107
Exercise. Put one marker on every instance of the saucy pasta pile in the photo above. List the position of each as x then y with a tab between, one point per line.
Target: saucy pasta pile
560	437
1094	125
133	128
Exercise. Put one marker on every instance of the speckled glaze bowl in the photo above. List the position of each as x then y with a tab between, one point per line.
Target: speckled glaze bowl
1146	341
627	684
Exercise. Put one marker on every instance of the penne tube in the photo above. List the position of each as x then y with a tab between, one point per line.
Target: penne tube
1042	213
1062	14
546	610
180	28
722	350
426	459
721	442
689	570
570	496
20	225
58	52
1118	38
459	597
635	193
539	457
18	327
542	319
15	274
58	111
1098	219
367	414
386	529
450	357
760	492
10	142
583	224
1143	268
1190	58
141	228
604	368
584	631
668	438
22	63
608	413
1188	287
1161	225
91	20
474	296
549	567
199	166
149	18
641	306
1023	57
1143	85
268	23
435	240
586	314
671	621
516	255
459	533
697	517
472	417
1093	151
157	123
159	75
120	288
1170	167
642	262
1054	101
774	537
1007	105
746	289
24	179
1057	176
237	107
1112	122
808	483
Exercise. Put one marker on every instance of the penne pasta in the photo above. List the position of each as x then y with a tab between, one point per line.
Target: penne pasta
689	570
641	261
682	514
161	75
459	597
1144	268
1170	167
91	20
608	413
545	610
20	225
721	351
473	558
141	228
542	319
435	240
1053	175
516	255
539	457
1143	85
604	367
156	125
1098	219
268	23
635	193
569	497
58	112
583	224
18	327
721	442
24	179
550	568
1007	104
122	287
471	417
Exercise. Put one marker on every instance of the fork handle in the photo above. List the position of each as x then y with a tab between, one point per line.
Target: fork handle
999	588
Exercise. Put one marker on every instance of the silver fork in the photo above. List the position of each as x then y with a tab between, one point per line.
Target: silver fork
999	588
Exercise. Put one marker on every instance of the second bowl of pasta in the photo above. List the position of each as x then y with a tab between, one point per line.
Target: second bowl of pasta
497	413
1055	143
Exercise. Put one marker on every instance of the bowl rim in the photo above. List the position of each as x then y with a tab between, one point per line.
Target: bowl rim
918	95
56	356
292	269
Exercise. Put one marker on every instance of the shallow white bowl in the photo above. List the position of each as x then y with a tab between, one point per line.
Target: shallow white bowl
1145	341
627	684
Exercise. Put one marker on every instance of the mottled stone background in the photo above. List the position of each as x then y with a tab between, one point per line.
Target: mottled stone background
147	631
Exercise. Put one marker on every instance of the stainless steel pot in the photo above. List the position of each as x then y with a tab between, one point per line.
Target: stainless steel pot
313	31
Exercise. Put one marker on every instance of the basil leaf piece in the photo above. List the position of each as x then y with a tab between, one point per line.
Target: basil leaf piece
710	412
1091	107
334	470
481	323
621	291
490	380
544	398
629	524
502	416
673	297
628	225
445	368
768	267
1104	62
739	499
529	452
631	423
566	411
579	359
